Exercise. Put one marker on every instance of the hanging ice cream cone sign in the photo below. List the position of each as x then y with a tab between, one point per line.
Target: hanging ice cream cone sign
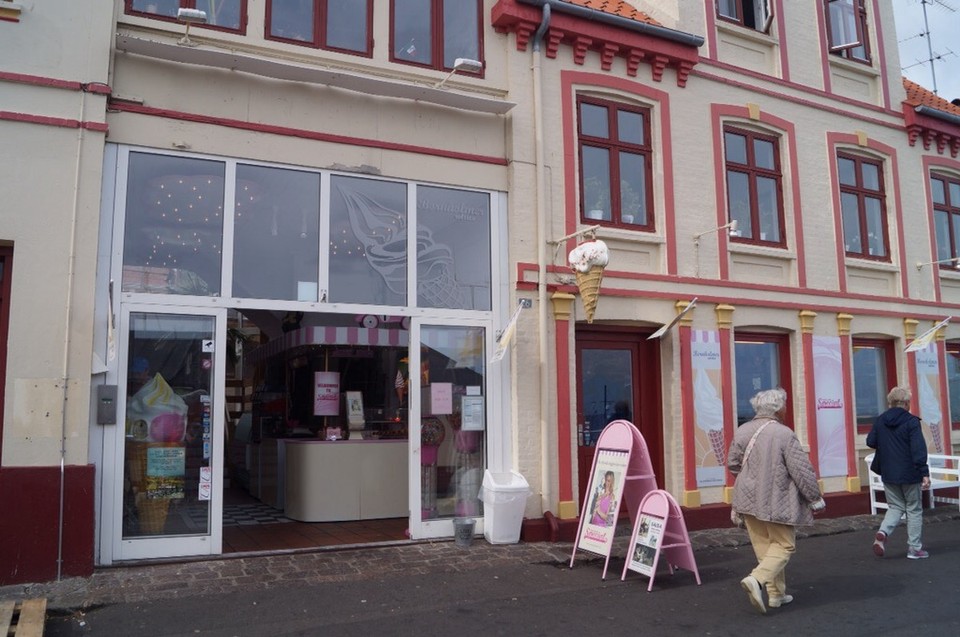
587	261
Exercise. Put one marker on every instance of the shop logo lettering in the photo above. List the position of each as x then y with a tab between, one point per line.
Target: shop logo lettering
829	403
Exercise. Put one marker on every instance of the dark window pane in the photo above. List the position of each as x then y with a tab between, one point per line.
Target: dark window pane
461	31
942	224
633	190
738	191
606	379
870	382
871	177
292	19
276	239
937	191
347	24
736	148
851	222
411	31
174	225
757	369
769	206
222	13
594	121
956	238
847	170
728	8
596	183
630	127
876	246
953	380
166	8
763	154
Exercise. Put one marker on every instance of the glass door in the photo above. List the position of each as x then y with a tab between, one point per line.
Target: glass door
169	451
448	426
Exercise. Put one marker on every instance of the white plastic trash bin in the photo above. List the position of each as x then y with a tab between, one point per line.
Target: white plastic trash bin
504	497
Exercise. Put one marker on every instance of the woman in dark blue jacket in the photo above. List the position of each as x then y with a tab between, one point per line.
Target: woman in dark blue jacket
901	462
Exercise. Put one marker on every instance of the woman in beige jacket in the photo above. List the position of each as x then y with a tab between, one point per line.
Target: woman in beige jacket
776	491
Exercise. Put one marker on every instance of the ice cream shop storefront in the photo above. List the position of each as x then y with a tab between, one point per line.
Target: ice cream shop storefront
316	341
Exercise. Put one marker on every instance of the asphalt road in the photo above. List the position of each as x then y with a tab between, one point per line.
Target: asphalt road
840	588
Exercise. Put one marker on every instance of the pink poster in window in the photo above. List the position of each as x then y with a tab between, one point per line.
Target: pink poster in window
828	383
326	393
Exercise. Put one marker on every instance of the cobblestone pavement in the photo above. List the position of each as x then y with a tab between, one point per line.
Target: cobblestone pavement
133	583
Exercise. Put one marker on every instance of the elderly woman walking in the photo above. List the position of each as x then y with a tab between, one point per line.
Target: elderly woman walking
776	490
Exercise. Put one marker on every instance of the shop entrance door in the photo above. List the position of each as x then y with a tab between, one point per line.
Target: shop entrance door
164	497
451	406
618	377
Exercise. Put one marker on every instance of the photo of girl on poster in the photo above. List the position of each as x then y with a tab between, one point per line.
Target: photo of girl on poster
604	501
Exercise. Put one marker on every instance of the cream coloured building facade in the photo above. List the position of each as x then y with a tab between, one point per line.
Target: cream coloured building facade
257	220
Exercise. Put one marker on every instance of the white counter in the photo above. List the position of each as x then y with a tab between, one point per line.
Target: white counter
332	481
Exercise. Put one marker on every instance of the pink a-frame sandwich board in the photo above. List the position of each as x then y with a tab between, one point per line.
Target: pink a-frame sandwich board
621	469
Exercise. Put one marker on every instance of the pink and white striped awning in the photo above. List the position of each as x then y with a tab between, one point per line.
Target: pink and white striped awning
377	337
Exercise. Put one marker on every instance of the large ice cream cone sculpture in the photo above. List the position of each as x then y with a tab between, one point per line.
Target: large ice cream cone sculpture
588	261
589	284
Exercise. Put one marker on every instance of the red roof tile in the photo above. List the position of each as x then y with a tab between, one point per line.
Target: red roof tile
919	96
615	7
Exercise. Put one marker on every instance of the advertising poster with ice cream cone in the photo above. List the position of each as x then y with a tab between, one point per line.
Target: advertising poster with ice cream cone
928	384
708	407
828	385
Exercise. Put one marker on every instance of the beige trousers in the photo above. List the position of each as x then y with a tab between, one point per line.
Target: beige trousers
773	544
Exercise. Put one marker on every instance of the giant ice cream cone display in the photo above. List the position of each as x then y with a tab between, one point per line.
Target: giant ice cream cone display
588	261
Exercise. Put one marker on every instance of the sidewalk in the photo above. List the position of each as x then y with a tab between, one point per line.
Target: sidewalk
247	572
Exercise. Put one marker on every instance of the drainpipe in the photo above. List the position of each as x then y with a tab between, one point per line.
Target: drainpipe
546	488
65	376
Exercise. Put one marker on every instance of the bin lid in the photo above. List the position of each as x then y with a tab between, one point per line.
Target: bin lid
504	481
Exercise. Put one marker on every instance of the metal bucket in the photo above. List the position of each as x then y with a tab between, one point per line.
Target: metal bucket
463	531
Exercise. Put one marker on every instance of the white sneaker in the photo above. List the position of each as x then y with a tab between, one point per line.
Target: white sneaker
752	587
777	602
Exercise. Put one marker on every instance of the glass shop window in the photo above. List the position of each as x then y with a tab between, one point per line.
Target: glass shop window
276	234
174	225
762	362
453	249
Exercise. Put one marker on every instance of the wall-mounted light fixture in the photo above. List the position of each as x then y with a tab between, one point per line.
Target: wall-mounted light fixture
461	64
731	229
956	263
188	17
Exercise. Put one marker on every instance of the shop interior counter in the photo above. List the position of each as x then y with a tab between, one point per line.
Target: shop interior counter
334	481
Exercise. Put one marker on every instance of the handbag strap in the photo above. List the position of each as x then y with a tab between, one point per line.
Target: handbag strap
746	453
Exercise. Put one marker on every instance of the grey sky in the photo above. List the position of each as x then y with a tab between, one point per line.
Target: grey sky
944	26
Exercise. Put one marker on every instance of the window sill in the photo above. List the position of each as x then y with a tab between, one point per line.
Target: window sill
747	33
859	68
10	11
765	251
868	264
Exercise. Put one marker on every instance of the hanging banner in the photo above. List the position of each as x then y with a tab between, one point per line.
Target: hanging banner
506	336
926	338
830	416
603	497
928	384
326	393
708	407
